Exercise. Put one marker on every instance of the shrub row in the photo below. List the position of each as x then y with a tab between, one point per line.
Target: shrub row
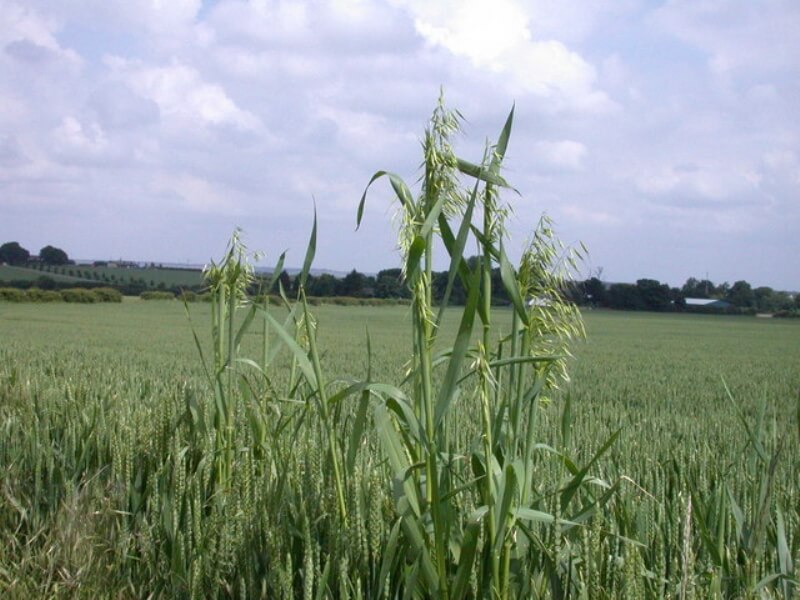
78	295
157	295
107	294
349	301
274	300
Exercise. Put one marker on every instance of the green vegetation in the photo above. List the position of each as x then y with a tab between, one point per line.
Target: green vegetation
341	453
79	295
122	377
27	274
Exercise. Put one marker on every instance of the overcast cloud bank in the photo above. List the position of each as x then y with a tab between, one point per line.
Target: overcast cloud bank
664	135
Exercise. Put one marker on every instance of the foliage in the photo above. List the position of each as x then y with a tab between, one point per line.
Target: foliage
78	295
51	255
12	295
106	294
132	470
13	254
467	511
157	295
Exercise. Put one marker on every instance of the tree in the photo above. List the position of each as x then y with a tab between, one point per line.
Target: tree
764	298
389	284
13	254
625	296
352	284
50	255
595	291
654	294
741	294
769	300
324	285
694	288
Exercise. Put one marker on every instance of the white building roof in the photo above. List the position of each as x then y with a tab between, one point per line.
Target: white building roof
703	301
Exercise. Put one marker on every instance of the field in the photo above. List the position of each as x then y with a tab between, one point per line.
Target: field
147	277
400	452
101	455
9	273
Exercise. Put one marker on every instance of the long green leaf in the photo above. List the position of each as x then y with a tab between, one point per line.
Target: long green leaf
449	385
455	248
478	172
297	351
466	557
311	250
504	515
276	273
511	286
415	253
502	141
400	189
572	487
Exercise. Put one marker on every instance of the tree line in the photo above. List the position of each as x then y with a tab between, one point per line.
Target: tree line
652	295
645	294
12	253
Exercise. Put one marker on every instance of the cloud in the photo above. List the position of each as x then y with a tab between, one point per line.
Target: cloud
28	37
181	94
496	37
674	123
77	140
758	35
562	155
11	153
196	193
710	182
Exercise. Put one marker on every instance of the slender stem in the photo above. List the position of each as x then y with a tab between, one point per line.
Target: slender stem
265	336
324	412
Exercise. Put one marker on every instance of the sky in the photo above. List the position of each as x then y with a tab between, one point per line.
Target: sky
660	134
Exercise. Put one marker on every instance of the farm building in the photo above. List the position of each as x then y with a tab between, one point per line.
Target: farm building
707	303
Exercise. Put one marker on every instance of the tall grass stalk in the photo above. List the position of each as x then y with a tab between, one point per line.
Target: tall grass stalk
452	547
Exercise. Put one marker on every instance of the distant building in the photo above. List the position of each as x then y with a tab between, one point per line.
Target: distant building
707	303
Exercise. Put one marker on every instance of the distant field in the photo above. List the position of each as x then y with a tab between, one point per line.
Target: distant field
8	273
150	277
126	374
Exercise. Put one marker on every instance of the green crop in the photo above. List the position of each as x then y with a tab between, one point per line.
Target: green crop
399	451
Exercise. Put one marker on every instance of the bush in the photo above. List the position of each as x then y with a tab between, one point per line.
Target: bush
12	295
107	294
157	295
271	299
35	294
38	295
50	296
188	296
79	295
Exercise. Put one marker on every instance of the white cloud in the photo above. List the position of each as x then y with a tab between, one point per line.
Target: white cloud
783	163
196	193
260	21
27	36
496	37
239	111
74	138
756	35
563	155
182	94
710	181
